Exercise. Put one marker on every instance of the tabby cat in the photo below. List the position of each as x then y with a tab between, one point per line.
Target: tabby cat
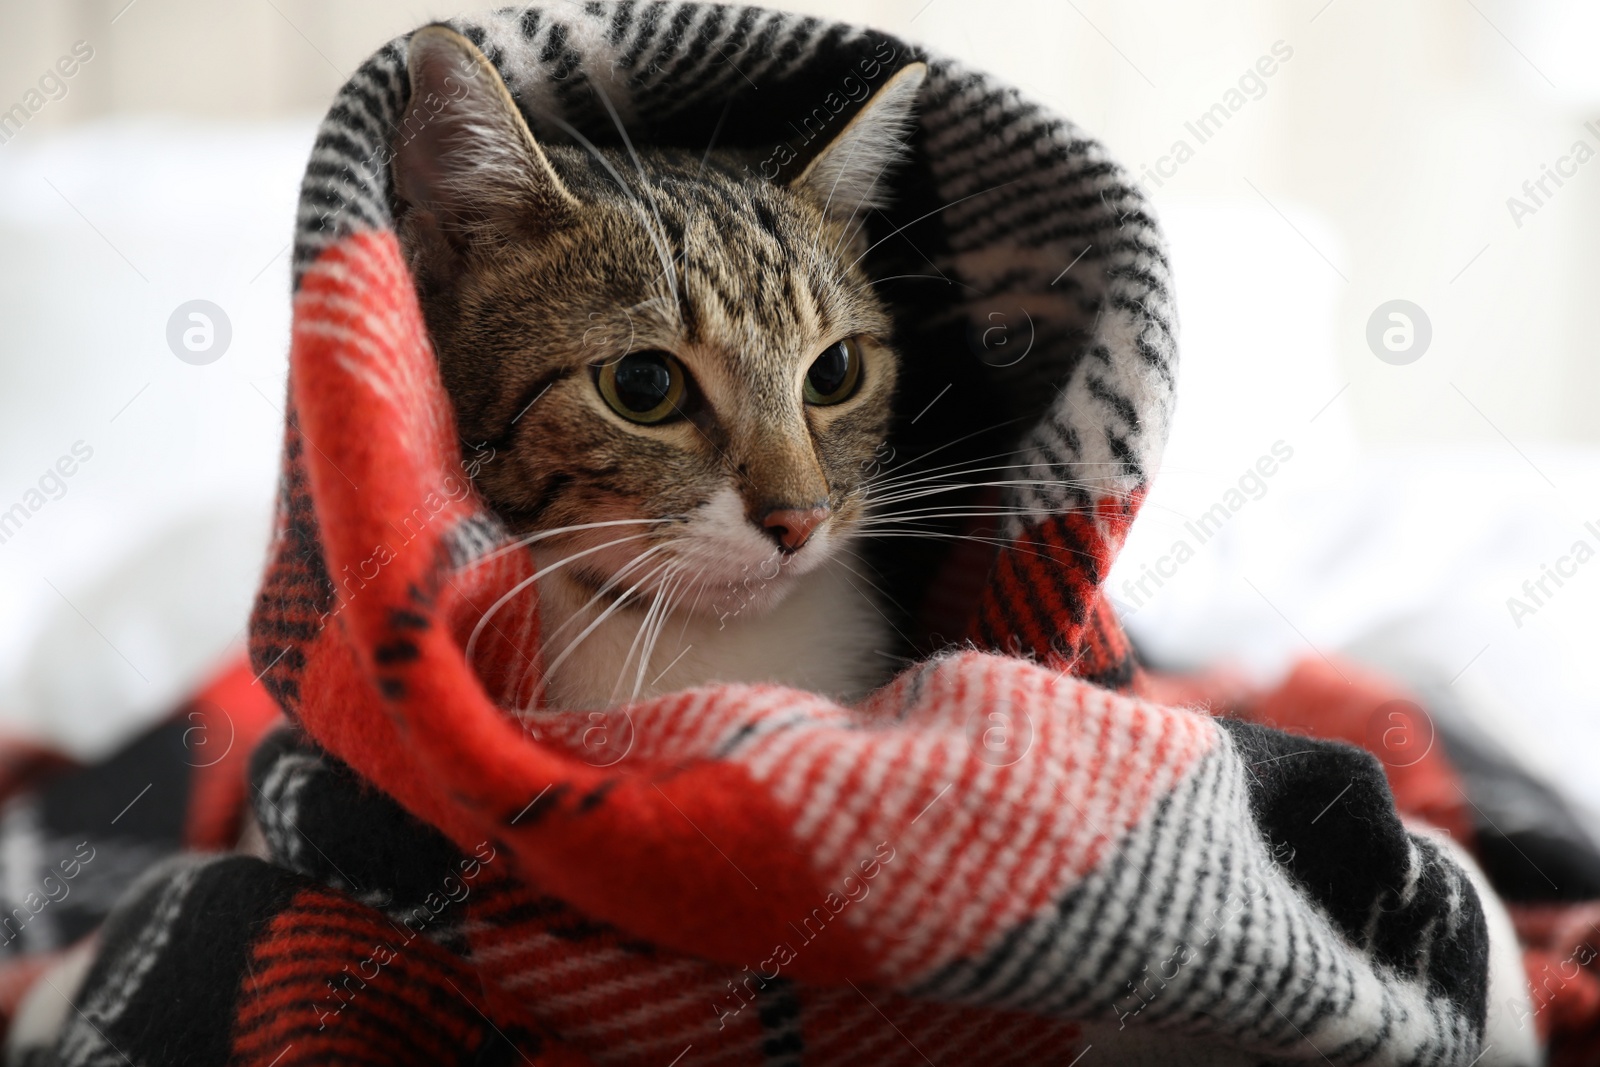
683	370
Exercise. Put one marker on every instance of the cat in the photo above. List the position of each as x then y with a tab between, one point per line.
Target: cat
684	371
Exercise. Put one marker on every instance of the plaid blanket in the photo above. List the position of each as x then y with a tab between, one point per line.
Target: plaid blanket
1022	849
57	814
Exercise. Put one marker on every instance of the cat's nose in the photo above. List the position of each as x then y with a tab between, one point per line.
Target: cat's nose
791	528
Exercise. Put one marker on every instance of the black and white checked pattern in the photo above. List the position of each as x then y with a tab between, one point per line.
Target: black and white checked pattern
1195	922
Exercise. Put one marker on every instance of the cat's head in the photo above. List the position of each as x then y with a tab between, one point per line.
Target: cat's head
662	347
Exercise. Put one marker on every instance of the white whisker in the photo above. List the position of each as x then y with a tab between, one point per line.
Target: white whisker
959	440
477	630
607	613
1031	483
698	596
545	535
946	207
657	602
951	470
666	260
664	599
656	238
874	605
996	541
915	488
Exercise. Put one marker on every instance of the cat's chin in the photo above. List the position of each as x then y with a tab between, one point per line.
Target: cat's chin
730	600
719	588
821	632
749	591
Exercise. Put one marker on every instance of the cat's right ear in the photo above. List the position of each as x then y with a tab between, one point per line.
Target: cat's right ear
465	161
845	177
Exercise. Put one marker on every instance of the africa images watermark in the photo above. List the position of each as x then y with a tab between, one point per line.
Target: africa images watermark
1546	988
742	994
1140	992
52	485
1537	592
454	889
852	89
1537	191
1399	332
199	332
1251	485
52	86
52	890
1252	85
454	487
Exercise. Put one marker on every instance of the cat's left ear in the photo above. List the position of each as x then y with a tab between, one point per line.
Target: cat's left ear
847	175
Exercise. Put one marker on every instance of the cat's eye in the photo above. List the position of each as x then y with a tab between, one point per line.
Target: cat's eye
834	375
644	387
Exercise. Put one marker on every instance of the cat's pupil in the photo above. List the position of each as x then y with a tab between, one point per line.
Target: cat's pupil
644	381
828	373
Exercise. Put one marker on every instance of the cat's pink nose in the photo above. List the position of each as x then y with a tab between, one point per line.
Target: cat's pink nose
793	527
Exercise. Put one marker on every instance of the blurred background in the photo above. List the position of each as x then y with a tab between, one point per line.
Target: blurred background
1313	161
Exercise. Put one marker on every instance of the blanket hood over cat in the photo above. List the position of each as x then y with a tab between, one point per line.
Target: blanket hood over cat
1000	842
1029	285
1026	275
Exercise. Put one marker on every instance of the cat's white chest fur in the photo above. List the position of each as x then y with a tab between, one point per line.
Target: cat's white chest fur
826	636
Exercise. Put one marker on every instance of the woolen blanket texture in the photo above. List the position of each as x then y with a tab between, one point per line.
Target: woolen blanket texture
1005	855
